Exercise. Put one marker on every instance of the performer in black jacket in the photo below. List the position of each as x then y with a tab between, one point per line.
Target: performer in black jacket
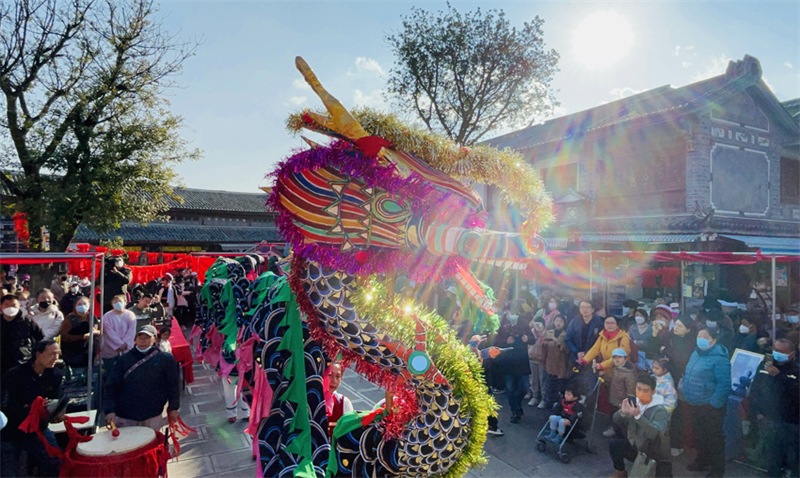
142	381
20	387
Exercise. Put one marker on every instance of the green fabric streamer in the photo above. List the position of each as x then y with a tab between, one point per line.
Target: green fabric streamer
294	370
481	322
228	327
346	424
262	285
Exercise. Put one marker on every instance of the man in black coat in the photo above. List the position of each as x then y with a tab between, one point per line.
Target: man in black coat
18	334
775	399
37	377
141	382
116	281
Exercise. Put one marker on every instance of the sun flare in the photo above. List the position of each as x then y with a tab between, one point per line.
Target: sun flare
601	40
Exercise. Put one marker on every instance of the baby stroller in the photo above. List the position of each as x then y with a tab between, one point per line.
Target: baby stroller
577	429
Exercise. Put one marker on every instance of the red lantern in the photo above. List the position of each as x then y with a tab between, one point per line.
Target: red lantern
362	256
21	227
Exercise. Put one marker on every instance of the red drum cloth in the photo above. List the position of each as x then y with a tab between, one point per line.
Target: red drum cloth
181	351
149	461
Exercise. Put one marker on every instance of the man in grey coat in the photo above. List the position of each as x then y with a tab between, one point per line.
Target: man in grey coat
647	422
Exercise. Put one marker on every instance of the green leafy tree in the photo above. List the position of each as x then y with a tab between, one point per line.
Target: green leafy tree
465	75
87	134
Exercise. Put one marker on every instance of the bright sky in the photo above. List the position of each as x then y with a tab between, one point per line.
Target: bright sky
237	92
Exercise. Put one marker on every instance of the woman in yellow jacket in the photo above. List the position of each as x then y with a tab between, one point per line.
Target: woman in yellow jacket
610	338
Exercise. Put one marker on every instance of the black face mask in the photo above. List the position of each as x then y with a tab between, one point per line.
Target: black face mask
44	304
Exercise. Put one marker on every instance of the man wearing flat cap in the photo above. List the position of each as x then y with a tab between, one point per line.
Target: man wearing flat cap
141	383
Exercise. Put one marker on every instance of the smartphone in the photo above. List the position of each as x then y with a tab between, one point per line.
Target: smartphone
632	400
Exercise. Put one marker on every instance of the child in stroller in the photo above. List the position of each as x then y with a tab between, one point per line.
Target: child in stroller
566	414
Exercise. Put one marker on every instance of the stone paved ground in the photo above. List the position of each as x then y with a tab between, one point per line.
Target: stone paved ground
221	449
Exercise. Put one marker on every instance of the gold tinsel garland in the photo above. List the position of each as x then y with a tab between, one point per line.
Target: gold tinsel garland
453	359
520	184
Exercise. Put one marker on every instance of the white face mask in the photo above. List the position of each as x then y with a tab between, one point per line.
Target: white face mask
11	311
513	318
552	306
118	305
143	350
639	319
74	290
625	310
711	324
744	329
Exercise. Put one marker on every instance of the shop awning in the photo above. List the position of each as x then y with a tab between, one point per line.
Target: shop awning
770	244
648	238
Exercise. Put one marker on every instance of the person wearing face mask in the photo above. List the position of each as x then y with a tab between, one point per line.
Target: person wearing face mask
513	362
775	403
676	348
628	318
115	281
141	383
119	332
46	315
18	334
67	302
640	333
716	319
75	336
706	386
647	424
793	323
747	336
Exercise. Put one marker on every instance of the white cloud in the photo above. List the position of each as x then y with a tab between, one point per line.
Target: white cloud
716	66
683	50
625	91
373	99
788	65
364	64
297	100
299	84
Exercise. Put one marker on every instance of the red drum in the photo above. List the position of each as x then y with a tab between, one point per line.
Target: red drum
136	452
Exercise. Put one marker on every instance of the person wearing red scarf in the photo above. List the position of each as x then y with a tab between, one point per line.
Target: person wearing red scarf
609	339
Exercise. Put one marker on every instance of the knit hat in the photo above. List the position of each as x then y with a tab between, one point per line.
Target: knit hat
664	308
619	353
686	321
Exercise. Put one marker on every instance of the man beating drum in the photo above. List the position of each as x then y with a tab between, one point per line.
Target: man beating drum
141	382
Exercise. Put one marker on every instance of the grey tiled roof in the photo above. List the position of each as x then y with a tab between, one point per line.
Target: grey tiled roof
135	233
227	201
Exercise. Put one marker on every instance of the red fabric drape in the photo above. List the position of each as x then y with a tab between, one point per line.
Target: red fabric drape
150	460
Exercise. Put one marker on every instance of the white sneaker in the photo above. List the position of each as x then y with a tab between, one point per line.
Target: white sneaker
676	451
495	431
609	432
542	405
533	402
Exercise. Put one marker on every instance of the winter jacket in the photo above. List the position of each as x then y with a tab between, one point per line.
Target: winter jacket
568	410
623	383
665	387
604	346
556	356
16	400
747	342
777	397
49	320
707	380
576	341
118	329
116	282
650	432
677	349
17	337
144	392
